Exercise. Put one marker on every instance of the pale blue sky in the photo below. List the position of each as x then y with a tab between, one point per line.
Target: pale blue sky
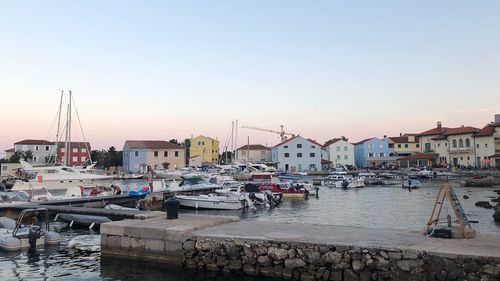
169	69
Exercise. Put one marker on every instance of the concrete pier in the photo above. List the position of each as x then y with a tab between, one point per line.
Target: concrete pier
302	252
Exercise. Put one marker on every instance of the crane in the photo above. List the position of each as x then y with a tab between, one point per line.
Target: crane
281	132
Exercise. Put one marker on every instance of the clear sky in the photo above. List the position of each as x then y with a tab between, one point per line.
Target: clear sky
172	69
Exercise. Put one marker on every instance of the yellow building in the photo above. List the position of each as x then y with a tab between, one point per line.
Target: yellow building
206	147
405	145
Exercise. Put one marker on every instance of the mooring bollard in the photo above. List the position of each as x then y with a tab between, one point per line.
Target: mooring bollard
172	208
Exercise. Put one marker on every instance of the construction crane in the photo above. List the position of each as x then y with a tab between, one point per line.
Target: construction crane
281	132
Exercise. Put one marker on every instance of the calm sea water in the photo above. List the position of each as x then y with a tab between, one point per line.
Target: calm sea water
375	207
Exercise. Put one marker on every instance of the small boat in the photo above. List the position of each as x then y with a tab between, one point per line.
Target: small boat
350	183
75	220
139	193
411	184
118	207
287	189
15	235
210	201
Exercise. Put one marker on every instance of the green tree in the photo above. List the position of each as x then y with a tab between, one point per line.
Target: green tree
174	141
28	155
16	157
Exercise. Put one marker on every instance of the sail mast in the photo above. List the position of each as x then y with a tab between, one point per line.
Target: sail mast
58	126
69	127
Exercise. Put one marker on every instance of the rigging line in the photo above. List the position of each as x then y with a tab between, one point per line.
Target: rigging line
81	128
52	126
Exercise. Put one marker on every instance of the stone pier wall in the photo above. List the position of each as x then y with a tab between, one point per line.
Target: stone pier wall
302	261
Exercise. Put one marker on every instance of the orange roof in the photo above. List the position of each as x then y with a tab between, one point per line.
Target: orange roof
403	139
254	147
144	144
29	141
461	130
434	131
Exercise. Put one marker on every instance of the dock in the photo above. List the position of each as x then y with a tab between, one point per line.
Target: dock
299	251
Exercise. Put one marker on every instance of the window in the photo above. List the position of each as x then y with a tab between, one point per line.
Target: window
313	146
75	150
399	145
299	154
445	144
370	146
136	153
418	145
286	146
36	147
199	143
62	150
468	158
338	156
406	145
461	143
477	145
34	158
461	158
287	155
467	142
312	167
75	159
299	145
370	154
176	154
165	153
156	153
391	145
486	145
381	154
338	148
47	148
454	143
312	154
345	148
84	150
439	144
83	158
345	157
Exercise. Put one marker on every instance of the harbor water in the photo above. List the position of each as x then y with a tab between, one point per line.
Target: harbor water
373	207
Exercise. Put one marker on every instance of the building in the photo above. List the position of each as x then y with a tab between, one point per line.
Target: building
463	146
195	161
374	152
79	153
297	154
254	153
9	170
418	160
9	153
405	145
207	147
42	150
339	153
138	154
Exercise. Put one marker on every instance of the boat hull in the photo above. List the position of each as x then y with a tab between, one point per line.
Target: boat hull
209	203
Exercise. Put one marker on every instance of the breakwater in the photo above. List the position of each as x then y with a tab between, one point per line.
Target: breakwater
301	252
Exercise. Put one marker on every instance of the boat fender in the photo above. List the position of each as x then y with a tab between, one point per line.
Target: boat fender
52	238
91	225
71	223
56	217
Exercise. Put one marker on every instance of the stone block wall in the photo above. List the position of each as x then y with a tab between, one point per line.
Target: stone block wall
301	261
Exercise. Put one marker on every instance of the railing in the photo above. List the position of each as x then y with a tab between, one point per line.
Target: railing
460	149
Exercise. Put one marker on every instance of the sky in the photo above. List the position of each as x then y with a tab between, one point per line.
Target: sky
157	70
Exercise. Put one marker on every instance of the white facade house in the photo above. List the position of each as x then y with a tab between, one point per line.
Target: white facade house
340	153
297	154
138	154
254	153
42	150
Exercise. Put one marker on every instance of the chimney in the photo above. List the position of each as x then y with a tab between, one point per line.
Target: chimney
400	134
439	124
385	136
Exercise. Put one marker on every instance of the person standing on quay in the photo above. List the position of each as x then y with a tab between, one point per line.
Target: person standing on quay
150	175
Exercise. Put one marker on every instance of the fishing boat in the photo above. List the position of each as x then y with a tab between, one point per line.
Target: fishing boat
210	201
15	235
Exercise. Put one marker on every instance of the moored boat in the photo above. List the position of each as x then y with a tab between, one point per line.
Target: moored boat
210	201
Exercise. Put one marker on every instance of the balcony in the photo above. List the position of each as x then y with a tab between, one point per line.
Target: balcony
461	149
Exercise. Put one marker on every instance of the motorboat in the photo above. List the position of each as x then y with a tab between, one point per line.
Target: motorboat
27	231
194	184
350	183
58	180
287	189
389	179
210	201
411	184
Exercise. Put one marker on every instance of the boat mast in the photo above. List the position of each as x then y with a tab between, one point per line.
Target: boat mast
236	138
69	127
58	126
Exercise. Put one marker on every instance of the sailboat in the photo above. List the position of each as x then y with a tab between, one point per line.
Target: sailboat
59	180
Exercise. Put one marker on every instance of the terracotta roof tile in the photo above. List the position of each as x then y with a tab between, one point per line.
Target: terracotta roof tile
254	147
148	144
434	131
461	130
487	131
31	141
